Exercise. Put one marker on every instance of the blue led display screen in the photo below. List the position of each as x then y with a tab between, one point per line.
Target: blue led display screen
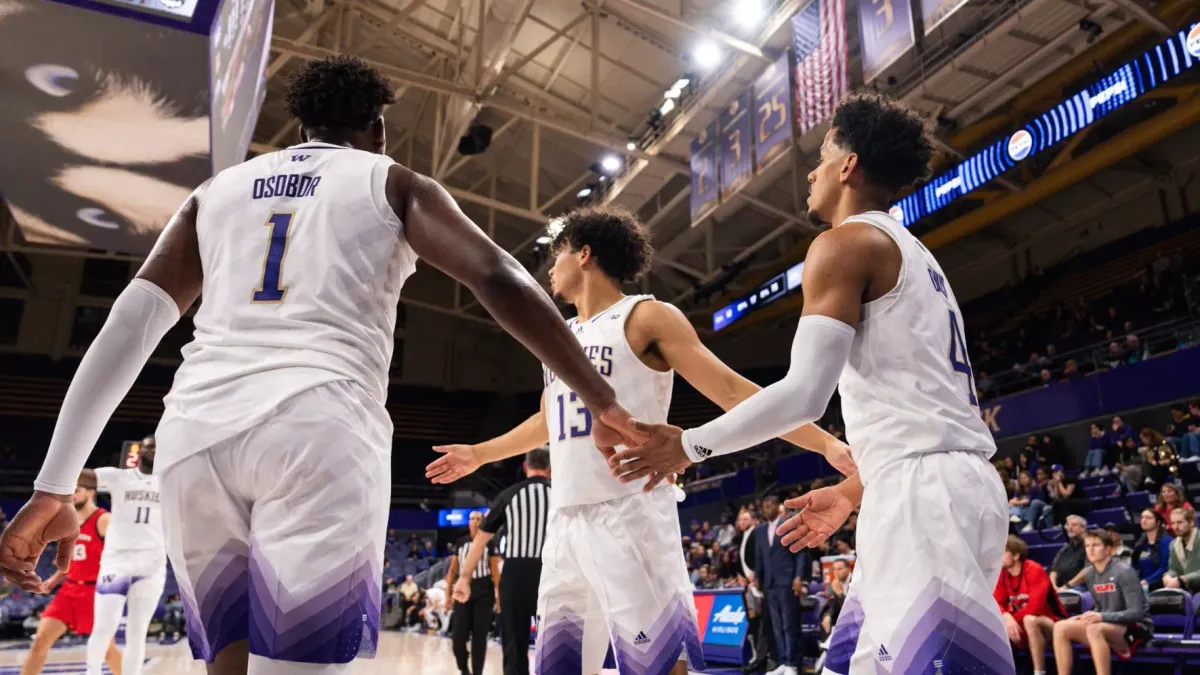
1164	62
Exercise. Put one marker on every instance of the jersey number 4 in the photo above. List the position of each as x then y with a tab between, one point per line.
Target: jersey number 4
580	412
269	289
958	357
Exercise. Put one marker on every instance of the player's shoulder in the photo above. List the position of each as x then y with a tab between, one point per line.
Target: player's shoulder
648	311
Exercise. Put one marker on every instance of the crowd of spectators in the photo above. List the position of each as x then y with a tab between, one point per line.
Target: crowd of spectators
1074	339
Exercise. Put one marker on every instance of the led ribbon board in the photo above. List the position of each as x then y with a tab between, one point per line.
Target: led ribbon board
1164	62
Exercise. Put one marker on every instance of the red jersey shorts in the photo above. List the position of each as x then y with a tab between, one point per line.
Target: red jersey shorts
74	605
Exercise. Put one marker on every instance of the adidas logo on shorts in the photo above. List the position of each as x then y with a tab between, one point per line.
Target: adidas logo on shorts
883	654
641	639
702	451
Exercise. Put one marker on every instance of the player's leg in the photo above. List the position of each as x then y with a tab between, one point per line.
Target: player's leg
109	604
113	658
632	560
930	539
320	475
1104	640
1038	629
1066	634
571	636
144	594
206	520
48	631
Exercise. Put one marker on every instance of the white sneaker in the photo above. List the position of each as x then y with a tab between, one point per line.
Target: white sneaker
789	670
1028	527
778	671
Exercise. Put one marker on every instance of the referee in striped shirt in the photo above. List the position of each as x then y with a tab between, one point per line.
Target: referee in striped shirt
474	596
523	509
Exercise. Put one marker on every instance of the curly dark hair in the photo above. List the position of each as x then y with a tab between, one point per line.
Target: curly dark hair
892	142
338	93
616	238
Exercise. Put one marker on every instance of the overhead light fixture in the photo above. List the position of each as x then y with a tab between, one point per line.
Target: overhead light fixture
584	193
748	13
542	240
672	93
681	83
631	146
667	106
706	54
611	164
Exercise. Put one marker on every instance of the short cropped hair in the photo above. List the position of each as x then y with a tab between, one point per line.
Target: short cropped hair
1016	546
338	93
893	142
538	459
619	242
1104	536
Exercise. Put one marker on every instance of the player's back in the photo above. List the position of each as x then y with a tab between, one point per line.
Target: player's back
303	261
582	475
907	388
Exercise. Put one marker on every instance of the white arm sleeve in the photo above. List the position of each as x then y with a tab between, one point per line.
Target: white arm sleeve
819	353
139	319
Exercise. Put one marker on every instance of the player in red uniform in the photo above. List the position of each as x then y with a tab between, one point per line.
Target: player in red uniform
1028	603
74	603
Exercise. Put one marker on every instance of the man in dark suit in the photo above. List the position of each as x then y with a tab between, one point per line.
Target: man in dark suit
758	631
780	574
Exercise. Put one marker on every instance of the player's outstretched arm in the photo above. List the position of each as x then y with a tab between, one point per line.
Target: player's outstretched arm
168	283
837	272
666	327
461	460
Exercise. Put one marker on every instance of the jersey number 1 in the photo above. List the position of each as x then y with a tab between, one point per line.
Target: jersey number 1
958	357
269	289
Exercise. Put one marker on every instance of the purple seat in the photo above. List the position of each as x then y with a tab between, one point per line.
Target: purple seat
1139	501
814	588
1032	538
1073	601
1052	534
1043	554
1102	490
1099	517
1172	612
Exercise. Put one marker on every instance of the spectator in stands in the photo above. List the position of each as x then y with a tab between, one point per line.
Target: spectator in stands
173	624
408	593
726	532
1119	431
1160	456
1170	497
414	551
1131	466
1028	602
835	592
1184	569
1095	454
429	550
1066	497
1120	622
1152	552
1071	371
1072	557
1045	377
1018	505
1185	442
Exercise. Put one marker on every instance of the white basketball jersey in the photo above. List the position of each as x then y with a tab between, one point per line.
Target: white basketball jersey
303	261
136	522
907	388
581	474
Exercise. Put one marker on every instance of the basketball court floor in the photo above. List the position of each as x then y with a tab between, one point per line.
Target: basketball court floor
398	653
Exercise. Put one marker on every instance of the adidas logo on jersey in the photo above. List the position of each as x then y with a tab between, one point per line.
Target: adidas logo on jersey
641	639
883	654
701	451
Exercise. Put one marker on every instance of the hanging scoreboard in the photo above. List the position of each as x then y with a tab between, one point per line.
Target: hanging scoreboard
705	190
772	114
736	127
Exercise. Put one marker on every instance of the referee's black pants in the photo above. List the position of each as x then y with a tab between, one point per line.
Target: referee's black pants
518	604
471	620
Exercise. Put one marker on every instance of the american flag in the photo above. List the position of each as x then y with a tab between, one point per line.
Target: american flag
819	40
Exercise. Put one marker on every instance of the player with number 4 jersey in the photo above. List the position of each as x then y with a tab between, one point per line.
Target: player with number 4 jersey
881	325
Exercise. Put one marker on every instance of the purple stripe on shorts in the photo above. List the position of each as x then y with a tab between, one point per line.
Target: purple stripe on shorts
673	632
559	645
844	639
241	598
114	585
949	632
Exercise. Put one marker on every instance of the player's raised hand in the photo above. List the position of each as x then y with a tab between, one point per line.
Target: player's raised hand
43	519
456	462
822	512
613	426
660	457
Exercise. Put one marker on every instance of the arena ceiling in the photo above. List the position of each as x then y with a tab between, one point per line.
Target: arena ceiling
565	85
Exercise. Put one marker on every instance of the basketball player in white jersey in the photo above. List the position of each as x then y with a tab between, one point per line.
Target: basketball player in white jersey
880	323
275	470
134	565
612	567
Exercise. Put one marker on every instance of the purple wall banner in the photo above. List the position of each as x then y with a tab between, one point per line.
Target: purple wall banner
772	112
934	12
735	125
885	28
705	195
